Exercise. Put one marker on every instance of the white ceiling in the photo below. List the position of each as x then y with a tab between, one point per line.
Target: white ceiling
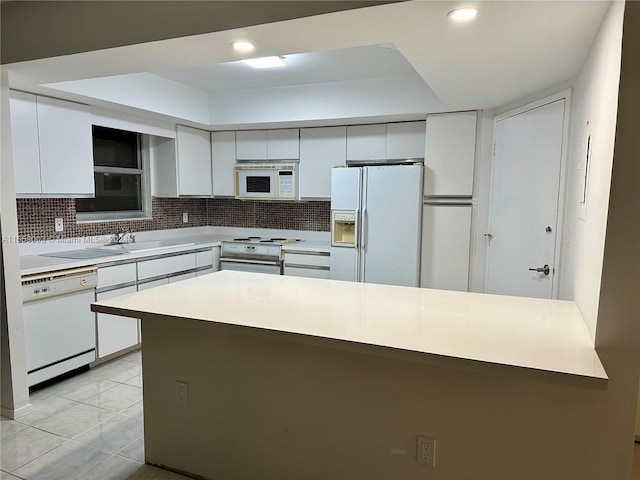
512	50
301	68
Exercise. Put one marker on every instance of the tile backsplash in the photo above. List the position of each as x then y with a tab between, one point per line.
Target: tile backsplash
227	212
36	216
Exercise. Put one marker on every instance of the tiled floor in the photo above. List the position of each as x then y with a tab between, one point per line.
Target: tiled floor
88	427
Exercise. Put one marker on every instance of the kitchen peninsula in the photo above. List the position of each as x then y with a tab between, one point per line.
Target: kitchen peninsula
313	379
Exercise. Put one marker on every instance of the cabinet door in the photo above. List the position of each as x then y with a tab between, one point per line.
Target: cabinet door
251	145
24	143
450	154
320	150
66	148
194	161
115	333
283	144
223	157
446	240
367	142
405	140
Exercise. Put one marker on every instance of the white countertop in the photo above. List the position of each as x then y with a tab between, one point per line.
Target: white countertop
34	264
544	335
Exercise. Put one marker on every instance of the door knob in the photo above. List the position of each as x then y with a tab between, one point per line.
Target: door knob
546	270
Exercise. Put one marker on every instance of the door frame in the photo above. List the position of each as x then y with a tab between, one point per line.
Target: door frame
562	181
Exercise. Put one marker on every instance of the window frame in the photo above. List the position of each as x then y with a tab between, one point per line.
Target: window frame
145	188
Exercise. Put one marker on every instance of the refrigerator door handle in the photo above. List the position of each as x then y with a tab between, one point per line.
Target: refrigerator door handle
364	229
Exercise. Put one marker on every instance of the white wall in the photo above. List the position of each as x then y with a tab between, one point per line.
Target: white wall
143	91
594	110
14	400
335	102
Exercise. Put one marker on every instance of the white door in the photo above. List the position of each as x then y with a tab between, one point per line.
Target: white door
524	202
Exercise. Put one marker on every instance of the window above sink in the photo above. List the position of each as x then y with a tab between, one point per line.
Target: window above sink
120	175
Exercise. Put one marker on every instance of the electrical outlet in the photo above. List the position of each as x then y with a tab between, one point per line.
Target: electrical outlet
426	450
59	225
181	394
185	217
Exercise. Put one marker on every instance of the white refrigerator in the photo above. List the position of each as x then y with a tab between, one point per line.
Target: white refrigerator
376	223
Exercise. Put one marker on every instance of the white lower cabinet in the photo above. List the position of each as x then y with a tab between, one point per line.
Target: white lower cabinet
446	241
182	276
307	264
166	265
115	333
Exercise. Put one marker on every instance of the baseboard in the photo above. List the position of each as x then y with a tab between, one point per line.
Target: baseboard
14	413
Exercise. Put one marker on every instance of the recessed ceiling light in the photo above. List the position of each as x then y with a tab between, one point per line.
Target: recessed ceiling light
242	46
265	62
463	14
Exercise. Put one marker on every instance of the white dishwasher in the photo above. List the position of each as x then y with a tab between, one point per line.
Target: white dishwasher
59	327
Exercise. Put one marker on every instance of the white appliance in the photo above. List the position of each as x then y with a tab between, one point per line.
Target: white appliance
376	216
59	327
254	254
266	181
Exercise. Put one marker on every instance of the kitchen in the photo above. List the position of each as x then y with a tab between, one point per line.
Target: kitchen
480	232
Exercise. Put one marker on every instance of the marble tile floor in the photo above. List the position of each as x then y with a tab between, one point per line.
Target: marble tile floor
88	427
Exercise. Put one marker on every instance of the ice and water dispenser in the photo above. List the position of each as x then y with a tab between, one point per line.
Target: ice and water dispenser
343	228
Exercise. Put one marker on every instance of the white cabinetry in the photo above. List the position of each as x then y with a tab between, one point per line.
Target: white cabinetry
166	265
182	166
307	264
446	241
320	150
367	142
52	146
115	333
193	150
24	141
450	154
405	140
386	141
281	144
223	157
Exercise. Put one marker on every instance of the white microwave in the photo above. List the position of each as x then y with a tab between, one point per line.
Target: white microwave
266	181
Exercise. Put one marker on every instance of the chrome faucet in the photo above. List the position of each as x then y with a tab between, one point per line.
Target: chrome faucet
119	238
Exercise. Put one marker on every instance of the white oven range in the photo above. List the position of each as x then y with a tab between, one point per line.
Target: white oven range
254	254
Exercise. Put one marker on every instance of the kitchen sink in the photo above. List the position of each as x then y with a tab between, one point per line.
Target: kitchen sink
143	246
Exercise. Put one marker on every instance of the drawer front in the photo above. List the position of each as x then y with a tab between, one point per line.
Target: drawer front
155	283
166	265
306	272
204	259
184	276
305	259
116	274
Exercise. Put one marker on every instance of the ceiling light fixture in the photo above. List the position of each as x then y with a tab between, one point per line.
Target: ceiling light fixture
265	62
243	46
463	14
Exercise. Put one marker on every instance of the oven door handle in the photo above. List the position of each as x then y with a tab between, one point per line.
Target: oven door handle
252	262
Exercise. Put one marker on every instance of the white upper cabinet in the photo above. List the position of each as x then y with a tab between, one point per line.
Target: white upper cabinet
450	154
405	140
281	144
24	142
193	151
367	142
251	145
386	141
63	143
320	150
223	156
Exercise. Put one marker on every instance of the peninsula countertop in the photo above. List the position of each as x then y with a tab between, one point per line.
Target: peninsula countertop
539	334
